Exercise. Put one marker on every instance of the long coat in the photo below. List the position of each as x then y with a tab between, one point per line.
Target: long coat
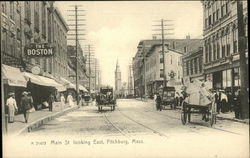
26	103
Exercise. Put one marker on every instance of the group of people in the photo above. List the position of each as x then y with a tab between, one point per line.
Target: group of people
26	104
228	102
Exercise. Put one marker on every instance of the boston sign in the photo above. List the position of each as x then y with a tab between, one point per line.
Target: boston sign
39	50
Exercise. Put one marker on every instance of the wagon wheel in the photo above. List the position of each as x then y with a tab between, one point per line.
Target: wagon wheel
183	114
212	118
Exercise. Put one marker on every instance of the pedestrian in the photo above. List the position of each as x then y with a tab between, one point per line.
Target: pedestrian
62	99
223	101
230	101
26	105
177	99
158	102
31	99
237	105
70	100
12	107
50	101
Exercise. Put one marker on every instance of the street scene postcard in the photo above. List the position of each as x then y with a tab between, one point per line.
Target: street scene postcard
125	79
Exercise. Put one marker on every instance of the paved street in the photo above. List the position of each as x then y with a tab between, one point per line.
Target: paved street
151	132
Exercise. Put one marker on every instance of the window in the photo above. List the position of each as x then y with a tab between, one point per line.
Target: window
185	49
235	42
173	44
161	73
222	10
218	50
36	14
11	42
170	59
191	67
236	76
223	51
214	17
228	49
206	23
200	64
161	60
195	66
217	14
3	7
187	67
206	53
209	52
43	19
12	10
18	34
27	11
209	20
214	51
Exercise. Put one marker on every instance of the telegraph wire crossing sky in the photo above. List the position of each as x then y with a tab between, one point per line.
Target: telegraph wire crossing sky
115	28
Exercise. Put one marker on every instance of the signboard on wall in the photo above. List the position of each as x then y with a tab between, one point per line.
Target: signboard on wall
39	50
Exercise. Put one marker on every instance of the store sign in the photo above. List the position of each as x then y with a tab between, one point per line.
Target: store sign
39	50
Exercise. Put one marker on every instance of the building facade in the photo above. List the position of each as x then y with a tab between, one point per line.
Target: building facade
192	65
174	49
33	22
221	43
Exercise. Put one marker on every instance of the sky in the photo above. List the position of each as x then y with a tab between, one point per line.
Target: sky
114	28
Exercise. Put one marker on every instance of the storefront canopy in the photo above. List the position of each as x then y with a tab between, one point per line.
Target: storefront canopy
44	81
13	76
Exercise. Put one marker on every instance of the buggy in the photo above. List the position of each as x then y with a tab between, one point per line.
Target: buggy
168	97
106	99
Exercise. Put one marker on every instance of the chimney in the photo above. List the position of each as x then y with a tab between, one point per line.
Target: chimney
154	37
188	36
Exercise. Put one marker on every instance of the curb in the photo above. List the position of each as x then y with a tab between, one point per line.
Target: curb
234	120
36	124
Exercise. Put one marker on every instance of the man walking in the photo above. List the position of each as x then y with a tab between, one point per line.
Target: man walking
158	102
50	101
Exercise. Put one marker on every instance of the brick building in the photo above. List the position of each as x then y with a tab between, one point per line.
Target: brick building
221	55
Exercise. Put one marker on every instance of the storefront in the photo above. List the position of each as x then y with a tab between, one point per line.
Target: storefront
40	88
14	81
228	79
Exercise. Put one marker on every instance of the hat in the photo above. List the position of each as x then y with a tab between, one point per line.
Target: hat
25	93
11	94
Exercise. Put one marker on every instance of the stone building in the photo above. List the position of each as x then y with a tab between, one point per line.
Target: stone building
221	55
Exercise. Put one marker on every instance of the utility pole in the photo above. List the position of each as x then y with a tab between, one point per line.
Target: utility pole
76	25
243	66
163	45
90	52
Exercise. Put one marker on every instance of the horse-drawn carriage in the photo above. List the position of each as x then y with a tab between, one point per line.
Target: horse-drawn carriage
168	97
106	98
199	100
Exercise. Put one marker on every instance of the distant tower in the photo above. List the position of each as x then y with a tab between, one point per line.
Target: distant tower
117	78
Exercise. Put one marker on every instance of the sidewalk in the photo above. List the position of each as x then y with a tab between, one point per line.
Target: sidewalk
36	119
222	116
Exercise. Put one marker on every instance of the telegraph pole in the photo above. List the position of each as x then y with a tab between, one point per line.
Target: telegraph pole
90	55
76	25
163	45
243	66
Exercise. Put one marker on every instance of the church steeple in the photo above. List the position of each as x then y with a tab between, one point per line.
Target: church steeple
117	78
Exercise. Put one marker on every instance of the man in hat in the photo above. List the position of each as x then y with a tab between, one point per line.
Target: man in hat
11	104
50	101
26	105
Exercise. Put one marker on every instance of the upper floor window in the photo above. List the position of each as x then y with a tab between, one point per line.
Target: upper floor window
209	20
12	10
3	5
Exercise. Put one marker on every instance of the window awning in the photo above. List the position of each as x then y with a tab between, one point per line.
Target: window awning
13	76
44	81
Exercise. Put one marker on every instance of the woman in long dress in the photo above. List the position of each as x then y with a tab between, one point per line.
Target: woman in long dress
70	100
11	104
62	101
